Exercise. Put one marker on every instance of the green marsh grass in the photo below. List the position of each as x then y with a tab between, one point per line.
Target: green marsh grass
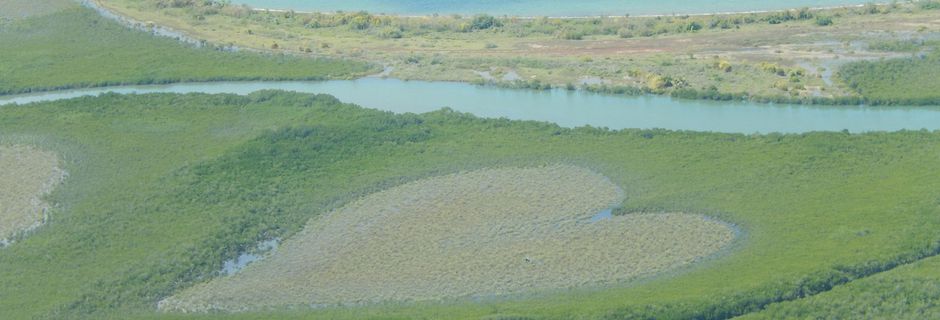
74	47
224	172
155	208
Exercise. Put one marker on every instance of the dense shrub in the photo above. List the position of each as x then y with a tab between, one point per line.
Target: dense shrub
910	81
570	34
930	5
823	21
483	22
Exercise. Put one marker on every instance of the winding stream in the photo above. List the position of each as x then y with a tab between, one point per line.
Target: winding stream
566	108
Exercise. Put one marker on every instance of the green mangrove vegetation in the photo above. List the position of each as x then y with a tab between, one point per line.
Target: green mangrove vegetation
225	171
163	190
909	292
905	81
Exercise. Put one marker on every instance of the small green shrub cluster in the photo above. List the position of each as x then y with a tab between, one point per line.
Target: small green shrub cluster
929	5
612	89
481	22
823	21
780	70
909	45
708	94
533	84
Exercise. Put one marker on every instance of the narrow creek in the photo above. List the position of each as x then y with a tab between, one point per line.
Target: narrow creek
565	108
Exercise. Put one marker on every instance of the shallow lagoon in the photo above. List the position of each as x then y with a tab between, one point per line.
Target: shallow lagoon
554	8
566	108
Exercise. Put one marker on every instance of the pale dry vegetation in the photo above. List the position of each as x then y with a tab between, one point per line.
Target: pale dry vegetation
484	233
26	175
716	57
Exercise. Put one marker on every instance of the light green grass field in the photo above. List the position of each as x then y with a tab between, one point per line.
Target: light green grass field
74	47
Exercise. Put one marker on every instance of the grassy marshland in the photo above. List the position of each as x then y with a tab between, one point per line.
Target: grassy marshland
164	188
74	47
226	171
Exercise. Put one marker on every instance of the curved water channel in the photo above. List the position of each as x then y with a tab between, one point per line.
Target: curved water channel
566	108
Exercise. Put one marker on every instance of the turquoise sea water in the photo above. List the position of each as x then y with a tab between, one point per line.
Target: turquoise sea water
554	8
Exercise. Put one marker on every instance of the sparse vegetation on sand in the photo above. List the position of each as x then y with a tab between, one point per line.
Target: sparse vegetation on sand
490	232
26	175
720	57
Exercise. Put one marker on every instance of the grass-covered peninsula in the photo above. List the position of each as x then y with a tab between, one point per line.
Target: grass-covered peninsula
73	47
